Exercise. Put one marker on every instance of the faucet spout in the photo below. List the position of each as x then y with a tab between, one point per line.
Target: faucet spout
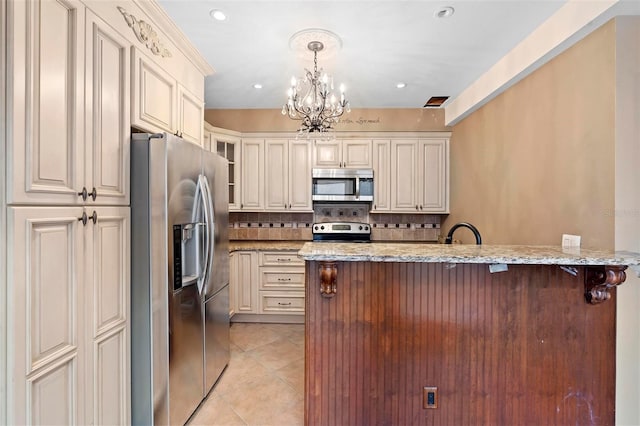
473	229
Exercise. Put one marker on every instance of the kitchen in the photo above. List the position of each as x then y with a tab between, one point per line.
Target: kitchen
532	164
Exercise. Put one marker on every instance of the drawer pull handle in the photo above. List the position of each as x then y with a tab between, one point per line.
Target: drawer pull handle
284	279
284	304
285	259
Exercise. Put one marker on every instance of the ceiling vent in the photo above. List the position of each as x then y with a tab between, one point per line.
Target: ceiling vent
435	101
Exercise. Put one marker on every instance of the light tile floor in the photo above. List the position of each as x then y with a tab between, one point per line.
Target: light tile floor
264	382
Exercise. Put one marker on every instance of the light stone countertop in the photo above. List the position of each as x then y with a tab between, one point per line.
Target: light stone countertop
464	253
235	245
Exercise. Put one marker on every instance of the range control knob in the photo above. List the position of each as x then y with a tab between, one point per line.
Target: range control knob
315	228
322	227
360	227
366	228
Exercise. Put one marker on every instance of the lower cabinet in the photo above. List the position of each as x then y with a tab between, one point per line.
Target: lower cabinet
68	315
266	285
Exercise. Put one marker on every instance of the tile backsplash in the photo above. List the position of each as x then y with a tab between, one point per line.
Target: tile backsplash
297	226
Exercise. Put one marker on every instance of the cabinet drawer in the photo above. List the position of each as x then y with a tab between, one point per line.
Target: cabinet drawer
277	279
280	258
281	302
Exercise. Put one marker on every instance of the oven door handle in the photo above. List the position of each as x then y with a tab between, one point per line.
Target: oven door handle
357	188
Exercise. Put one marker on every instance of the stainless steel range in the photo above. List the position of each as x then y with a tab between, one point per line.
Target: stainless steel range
352	232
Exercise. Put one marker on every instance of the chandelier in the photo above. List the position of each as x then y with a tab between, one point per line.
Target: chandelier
310	99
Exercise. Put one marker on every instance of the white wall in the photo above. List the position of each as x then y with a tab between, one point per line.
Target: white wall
627	216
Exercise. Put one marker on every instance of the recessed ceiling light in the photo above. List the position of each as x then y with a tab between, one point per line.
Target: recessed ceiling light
401	85
444	12
257	86
218	15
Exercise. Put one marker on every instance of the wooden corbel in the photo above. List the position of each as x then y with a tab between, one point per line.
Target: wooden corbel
599	279
328	277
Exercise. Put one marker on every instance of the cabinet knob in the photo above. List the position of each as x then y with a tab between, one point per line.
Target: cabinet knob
416	207
420	206
83	219
94	193
94	217
83	193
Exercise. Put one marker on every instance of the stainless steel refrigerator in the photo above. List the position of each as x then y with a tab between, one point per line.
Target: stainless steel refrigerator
180	276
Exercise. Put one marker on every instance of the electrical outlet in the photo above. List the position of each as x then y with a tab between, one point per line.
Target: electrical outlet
430	397
569	240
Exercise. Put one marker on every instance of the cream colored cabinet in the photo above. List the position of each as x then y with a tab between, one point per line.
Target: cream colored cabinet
281	289
107	111
252	182
287	180
71	114
348	153
68	316
160	103
46	117
381	176
244	281
227	144
267	284
233	279
419	176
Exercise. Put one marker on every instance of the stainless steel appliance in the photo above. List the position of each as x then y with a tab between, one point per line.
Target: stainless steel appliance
342	232
180	276
342	185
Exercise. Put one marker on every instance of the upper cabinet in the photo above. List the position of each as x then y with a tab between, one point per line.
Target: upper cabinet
252	163
69	109
420	176
161	103
348	153
381	176
287	175
227	144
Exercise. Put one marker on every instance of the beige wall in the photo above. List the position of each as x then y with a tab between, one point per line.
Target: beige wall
627	216
538	161
365	120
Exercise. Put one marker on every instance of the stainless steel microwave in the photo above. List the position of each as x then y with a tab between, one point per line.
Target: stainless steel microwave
342	185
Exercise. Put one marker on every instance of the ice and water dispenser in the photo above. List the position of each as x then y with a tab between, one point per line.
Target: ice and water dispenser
187	246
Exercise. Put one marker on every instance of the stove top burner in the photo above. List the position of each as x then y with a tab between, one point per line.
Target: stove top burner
342	231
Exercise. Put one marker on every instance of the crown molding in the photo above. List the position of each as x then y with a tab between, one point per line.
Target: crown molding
159	16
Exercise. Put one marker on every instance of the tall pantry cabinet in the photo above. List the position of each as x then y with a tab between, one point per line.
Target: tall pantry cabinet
67	216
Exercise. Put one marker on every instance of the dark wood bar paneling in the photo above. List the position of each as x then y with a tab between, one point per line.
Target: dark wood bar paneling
515	347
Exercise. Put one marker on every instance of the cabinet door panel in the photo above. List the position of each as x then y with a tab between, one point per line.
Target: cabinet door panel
108	117
45	314
154	105
299	166
356	154
328	154
107	310
252	164
434	176
404	159
110	391
191	116
45	151
382	176
276	182
52	396
247	284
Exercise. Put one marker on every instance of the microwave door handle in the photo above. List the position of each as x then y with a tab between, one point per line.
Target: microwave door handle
357	188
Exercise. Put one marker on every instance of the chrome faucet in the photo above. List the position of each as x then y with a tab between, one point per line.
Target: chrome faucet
473	229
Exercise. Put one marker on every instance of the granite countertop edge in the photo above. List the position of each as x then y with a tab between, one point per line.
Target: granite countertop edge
483	254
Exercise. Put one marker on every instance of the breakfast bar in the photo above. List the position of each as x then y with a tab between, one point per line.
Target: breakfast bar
460	334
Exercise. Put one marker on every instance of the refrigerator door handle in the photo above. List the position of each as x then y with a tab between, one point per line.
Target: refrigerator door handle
210	220
203	260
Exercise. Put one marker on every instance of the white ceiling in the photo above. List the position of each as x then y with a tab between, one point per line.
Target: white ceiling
384	42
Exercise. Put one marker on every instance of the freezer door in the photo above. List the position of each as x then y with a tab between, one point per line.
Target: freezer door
216	337
186	345
216	170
